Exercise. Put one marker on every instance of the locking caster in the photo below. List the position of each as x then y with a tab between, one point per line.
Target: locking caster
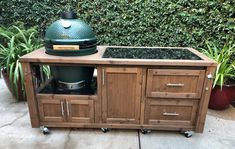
45	130
104	130
188	134
145	131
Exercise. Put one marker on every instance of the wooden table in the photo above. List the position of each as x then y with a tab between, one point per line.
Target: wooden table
131	93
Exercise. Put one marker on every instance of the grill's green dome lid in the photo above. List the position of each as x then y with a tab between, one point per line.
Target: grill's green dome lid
70	36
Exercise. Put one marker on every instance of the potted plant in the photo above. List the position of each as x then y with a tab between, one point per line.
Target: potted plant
16	42
223	91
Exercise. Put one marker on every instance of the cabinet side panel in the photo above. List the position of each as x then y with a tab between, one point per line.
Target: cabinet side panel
203	105
30	93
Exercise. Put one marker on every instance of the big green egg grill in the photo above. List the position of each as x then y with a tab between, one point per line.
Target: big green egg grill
70	36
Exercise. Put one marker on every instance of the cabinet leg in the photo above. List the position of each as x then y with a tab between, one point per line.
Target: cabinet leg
45	130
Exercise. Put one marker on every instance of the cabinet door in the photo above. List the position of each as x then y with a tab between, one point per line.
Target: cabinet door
171	112
79	110
51	110
121	94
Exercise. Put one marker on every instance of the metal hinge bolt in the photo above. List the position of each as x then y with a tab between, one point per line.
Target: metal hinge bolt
210	76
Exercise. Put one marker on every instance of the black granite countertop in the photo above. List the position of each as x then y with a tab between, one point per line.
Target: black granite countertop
150	53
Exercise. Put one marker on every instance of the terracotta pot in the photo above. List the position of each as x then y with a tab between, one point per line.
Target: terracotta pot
7	81
221	99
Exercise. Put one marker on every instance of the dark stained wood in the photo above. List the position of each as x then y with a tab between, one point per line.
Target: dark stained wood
174	83
121	95
30	91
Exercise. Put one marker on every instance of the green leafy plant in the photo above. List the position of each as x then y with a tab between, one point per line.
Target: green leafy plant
225	70
17	42
136	23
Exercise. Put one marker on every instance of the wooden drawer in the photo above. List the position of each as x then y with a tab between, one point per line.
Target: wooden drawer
173	83
172	112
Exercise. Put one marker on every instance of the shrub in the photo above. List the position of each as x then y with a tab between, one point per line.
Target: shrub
134	22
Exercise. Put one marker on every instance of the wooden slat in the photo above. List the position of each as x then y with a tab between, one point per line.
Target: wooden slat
98	101
64	96
203	105
40	56
30	91
121	70
143	101
172	72
120	126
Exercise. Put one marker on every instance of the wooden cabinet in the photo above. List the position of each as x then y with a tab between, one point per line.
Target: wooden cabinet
121	95
160	94
75	109
175	83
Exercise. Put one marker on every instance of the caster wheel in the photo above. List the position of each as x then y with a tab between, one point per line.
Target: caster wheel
104	130
188	134
45	130
145	131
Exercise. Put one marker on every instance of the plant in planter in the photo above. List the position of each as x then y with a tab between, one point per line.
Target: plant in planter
16	42
223	91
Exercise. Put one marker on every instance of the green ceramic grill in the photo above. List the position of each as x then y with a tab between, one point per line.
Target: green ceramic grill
70	36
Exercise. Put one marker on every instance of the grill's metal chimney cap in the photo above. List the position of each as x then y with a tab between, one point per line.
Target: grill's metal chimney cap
69	15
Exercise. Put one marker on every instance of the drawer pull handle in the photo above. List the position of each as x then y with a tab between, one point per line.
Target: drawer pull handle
62	108
67	104
175	85
170	114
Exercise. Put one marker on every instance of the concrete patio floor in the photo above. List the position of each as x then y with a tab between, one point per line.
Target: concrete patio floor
16	133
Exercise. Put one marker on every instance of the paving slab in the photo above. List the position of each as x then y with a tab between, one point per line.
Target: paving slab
16	132
218	134
95	139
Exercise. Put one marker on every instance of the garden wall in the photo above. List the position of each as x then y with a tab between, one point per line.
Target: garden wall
135	22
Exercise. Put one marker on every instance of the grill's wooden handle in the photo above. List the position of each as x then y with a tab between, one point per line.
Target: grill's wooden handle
66	47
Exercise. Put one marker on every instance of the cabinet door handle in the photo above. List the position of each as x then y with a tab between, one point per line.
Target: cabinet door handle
67	105
170	114
62	107
103	76
175	85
